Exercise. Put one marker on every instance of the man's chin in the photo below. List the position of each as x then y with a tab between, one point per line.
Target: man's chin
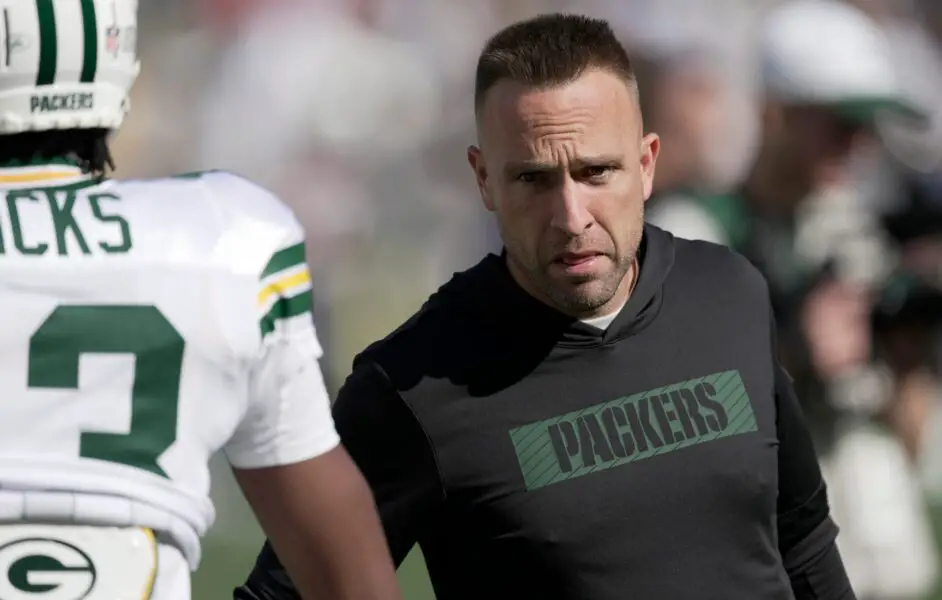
581	296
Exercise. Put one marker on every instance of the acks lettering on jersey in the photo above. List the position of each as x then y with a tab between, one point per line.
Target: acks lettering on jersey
47	103
62	233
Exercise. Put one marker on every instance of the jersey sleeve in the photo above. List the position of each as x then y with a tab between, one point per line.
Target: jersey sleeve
288	418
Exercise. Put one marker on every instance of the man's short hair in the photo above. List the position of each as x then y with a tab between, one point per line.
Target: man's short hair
550	50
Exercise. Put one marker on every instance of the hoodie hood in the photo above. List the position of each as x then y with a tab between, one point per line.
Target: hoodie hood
490	294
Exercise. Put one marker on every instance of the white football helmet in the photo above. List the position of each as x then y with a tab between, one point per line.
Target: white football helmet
66	64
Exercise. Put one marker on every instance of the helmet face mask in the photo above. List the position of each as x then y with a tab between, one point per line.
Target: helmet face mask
66	64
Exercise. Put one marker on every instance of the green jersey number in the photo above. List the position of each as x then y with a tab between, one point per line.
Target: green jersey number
142	331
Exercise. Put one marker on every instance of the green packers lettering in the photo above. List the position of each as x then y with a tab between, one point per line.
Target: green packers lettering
55	350
637	427
54	227
50	103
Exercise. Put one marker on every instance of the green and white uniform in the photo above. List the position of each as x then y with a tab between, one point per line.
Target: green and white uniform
147	325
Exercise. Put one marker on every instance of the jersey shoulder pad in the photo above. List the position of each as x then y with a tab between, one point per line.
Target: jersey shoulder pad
237	224
260	226
276	256
245	198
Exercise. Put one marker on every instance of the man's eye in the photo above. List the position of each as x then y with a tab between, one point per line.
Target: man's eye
528	177
597	172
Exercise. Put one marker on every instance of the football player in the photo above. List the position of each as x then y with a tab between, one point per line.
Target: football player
144	325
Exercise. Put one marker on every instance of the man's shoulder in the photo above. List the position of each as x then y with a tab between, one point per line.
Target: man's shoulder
428	337
716	266
445	333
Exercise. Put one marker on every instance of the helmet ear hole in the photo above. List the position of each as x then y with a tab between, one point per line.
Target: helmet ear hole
70	64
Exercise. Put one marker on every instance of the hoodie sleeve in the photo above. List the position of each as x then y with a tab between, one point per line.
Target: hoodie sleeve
391	448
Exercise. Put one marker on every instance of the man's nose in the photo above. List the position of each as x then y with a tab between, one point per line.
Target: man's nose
571	209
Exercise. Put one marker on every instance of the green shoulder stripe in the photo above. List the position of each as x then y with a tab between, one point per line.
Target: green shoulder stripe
284	259
194	174
286	308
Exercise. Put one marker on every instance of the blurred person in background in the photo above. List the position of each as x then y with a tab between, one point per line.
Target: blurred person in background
683	98
682	93
917	57
334	108
803	217
908	316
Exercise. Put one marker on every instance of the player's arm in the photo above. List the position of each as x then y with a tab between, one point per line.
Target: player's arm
308	495
392	451
807	535
319	515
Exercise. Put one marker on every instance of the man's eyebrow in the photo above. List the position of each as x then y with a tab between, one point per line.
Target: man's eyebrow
529	166
535	166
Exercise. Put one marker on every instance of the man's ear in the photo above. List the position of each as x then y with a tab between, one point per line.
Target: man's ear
650	148
476	160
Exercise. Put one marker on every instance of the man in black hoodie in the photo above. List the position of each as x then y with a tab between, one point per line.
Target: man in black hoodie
598	413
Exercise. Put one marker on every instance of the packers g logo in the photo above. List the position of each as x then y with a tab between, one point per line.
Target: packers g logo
44	569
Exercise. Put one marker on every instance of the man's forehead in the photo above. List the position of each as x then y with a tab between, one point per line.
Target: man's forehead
591	116
594	93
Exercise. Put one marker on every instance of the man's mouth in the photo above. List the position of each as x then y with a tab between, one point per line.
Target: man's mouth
578	263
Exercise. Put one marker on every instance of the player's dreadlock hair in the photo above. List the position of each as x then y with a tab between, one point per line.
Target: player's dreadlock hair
87	147
550	50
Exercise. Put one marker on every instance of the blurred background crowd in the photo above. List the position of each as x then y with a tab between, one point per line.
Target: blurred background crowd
358	114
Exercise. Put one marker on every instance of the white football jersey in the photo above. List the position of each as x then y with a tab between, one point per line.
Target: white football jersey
146	325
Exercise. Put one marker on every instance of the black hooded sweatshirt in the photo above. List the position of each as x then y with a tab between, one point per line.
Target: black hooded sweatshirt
534	456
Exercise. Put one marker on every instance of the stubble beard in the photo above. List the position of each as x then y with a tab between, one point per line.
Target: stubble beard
578	297
586	297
